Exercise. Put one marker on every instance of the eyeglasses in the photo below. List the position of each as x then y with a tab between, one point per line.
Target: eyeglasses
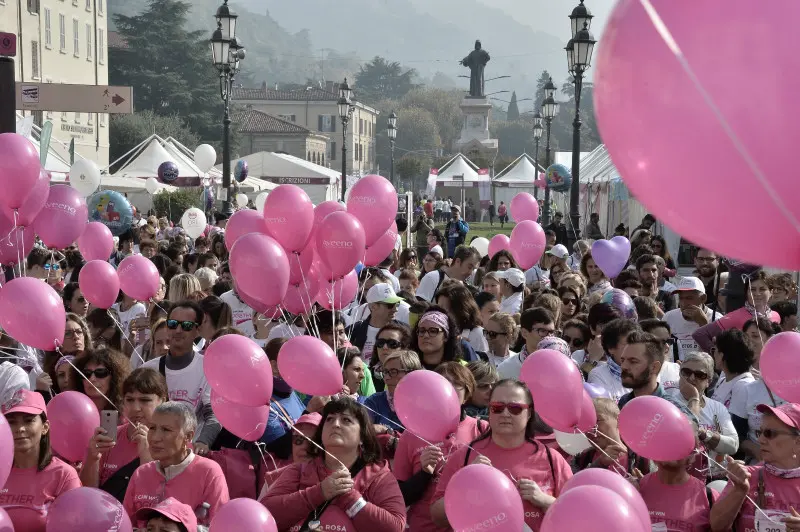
669	341
100	373
541	331
688	373
433	331
492	334
771	434
391	343
514	409
185	325
394	372
574	342
484	385
54	267
569	301
72	333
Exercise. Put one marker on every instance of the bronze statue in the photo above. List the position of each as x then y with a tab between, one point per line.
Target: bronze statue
476	61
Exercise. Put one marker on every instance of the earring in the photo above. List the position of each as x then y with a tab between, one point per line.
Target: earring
361	448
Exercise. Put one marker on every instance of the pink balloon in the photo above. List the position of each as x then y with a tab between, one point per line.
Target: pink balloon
527	243
497	243
479	494
300	264
243	514
86	509
655	428
373	200
245	422
73	418
32	313
597	476
778	369
33	203
588	419
239	370
339	293
253	303
592	508
260	267
6	450
309	366
63	217
241	223
557	388
15	242
324	209
96	242
19	169
340	243
428	405
5	522
524	207
300	297
382	248
289	215
138	277
99	283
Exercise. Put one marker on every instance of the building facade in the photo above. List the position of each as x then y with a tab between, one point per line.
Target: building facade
260	131
316	109
63	41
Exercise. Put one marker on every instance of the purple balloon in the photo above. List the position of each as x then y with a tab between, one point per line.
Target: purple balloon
595	391
611	255
621	301
168	172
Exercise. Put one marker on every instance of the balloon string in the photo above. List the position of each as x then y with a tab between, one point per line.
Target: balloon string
291	425
669	41
305	287
258	445
358	302
734	477
289	323
20	239
124	335
623	469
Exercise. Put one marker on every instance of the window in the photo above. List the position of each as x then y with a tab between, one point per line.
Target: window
62	32
332	154
38	118
88	42
35	59
77	118
48	34
101	45
76	44
48	114
100	6
63	117
327	123
74	2
88	5
90	119
360	126
102	120
33	6
288	118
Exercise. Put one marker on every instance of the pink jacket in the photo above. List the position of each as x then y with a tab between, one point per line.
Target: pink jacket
704	336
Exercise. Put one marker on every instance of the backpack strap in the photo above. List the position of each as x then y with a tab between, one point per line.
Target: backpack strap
441	280
162	366
710	497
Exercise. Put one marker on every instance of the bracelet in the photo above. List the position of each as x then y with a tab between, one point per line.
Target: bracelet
357	507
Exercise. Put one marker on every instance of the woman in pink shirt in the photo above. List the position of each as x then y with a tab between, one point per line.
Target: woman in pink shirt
111	460
509	446
175	470
322	495
774	484
36	477
418	465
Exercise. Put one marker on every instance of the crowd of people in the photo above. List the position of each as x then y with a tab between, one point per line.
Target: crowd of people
345	462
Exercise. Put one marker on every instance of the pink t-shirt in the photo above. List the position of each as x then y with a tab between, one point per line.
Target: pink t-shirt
680	507
124	452
407	463
779	495
28	493
528	461
201	481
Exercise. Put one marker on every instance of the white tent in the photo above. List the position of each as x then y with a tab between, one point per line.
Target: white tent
143	162
462	180
519	176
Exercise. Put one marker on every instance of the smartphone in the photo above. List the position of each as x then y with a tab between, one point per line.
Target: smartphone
109	420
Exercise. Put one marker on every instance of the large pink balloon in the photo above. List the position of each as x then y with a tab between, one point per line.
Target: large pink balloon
712	130
241	223
779	366
373	200
655	428
86	509
243	514
481	497
340	243
597	476
245	422
339	293
19	169
6	450
73	418
5	522
63	217
309	366
253	303
96	242
300	297
588	419
428	405
99	283
239	370
289	215
138	277
524	207
260	267
381	248
33	203
32	313
557	388
300	264
324	209
15	242
592	508
497	243
527	243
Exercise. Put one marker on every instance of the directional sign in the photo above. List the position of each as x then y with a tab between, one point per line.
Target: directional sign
74	98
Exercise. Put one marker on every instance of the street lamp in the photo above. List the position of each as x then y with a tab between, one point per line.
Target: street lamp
537	135
580	16
346	109
226	55
549	110
392	132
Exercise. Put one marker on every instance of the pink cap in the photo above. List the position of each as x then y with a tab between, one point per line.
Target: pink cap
788	413
173	510
25	401
313	418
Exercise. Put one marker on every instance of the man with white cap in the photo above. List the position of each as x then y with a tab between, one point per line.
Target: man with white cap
691	314
382	302
512	286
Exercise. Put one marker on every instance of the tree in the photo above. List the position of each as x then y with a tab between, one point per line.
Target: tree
512	115
544	77
379	80
444	106
515	138
127	131
413	169
416	132
174	204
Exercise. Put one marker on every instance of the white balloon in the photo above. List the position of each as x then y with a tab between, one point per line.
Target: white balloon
718	485
84	176
261	199
481	245
152	185
572	443
193	222
204	157
241	200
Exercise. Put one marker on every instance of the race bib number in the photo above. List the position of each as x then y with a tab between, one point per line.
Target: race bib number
687	345
770	521
660	527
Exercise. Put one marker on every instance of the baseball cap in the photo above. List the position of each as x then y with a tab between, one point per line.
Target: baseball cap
514	276
25	401
691	283
172	509
314	418
559	250
383	293
437	249
788	413
455	207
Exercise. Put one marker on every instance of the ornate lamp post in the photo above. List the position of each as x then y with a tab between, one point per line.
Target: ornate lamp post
537	135
346	109
549	110
392	132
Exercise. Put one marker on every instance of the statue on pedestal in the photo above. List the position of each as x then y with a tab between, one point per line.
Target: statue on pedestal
476	62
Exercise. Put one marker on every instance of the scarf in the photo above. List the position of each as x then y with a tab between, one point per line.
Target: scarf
615	369
524	353
753	312
782	473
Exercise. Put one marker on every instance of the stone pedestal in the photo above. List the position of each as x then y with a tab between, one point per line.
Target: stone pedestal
475	127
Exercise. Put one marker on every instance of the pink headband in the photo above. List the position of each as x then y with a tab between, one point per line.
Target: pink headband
64	360
439	318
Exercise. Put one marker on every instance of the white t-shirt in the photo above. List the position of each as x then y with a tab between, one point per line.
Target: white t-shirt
137	310
242	313
497	361
476	339
669	376
726	389
602	376
369	343
512	304
682	330
429	284
510	368
744	405
536	275
361	312
714	417
392	279
12	378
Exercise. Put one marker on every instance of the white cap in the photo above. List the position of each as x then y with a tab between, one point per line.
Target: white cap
691	283
559	250
514	276
437	249
383	293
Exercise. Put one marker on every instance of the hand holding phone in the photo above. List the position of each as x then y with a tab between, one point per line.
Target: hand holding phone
109	419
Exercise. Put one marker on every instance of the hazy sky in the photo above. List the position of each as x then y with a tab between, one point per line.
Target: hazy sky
551	15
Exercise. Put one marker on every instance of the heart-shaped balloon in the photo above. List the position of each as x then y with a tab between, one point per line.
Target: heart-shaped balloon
611	256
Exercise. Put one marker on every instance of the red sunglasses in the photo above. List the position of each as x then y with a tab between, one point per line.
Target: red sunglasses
514	409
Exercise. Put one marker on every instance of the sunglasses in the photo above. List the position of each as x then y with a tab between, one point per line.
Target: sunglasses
412	257
185	325
100	373
433	331
492	334
699	375
514	409
771	434
569	301
54	267
484	385
574	342
391	343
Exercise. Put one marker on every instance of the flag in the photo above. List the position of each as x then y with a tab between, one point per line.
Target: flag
44	141
72	151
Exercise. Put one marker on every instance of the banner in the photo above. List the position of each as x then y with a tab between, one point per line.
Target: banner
430	189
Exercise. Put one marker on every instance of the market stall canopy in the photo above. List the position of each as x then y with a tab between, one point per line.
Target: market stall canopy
520	173
459	170
143	161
